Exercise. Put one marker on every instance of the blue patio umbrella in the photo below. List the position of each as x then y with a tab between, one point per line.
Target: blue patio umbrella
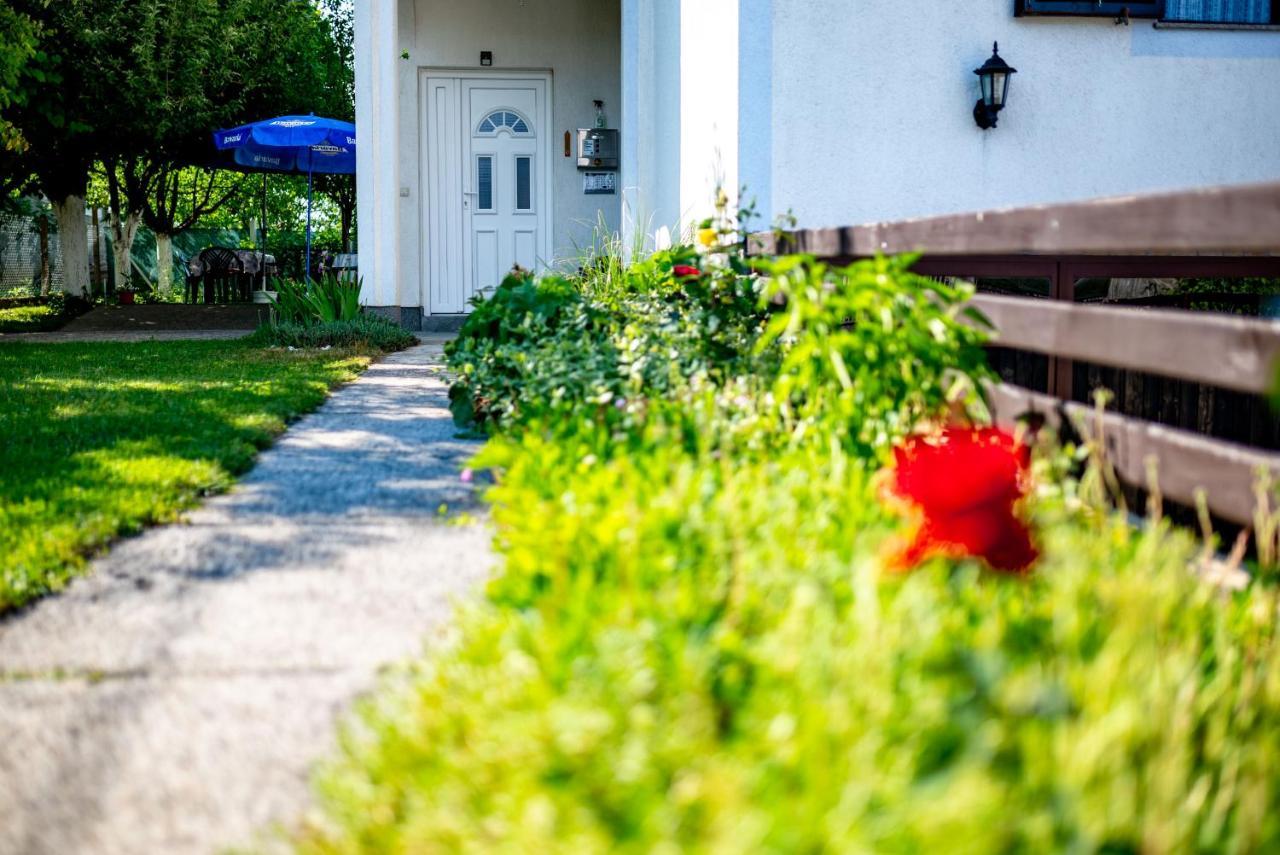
295	145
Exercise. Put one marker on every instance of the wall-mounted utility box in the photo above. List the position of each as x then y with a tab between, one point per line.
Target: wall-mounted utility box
597	148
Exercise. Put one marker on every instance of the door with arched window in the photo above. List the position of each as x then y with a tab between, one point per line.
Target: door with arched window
489	187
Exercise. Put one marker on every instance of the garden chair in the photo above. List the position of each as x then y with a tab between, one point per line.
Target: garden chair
224	275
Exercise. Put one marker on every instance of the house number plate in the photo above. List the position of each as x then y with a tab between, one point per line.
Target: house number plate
600	183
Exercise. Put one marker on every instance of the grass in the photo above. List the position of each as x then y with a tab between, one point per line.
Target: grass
101	439
29	318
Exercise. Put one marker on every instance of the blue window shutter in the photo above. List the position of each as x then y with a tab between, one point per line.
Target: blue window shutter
1219	11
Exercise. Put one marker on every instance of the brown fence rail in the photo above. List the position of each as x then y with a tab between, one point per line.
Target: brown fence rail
1216	232
1215	221
1231	352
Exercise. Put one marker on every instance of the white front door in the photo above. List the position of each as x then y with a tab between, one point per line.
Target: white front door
488	192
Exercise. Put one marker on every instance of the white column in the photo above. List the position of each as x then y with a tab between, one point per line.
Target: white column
708	105
682	89
650	174
633	202
377	148
755	106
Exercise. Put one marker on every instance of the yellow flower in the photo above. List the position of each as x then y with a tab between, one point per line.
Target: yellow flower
707	237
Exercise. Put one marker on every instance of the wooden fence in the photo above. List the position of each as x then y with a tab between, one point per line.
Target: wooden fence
1218	232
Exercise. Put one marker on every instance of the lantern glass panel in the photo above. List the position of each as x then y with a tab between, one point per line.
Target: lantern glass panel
1005	80
999	81
986	89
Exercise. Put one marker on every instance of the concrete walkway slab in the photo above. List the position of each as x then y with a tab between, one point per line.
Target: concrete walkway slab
175	699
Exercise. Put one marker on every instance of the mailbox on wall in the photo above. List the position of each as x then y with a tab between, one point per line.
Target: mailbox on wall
597	148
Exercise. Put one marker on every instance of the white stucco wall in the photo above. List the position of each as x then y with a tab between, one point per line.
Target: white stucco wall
579	41
872	102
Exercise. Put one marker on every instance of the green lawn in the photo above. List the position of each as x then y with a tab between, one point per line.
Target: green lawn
98	440
29	318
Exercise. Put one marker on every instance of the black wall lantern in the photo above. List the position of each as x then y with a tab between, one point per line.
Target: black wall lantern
994	76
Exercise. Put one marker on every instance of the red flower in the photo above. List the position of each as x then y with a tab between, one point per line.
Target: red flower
684	270
963	486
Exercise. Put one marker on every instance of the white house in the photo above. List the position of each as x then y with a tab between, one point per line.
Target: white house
838	111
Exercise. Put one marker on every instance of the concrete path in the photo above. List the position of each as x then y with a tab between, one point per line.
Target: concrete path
174	700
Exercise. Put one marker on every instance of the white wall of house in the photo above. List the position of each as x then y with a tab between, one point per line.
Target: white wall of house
841	111
872	108
577	41
850	111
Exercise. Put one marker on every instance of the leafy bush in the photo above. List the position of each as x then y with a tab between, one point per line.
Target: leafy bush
365	331
540	346
692	644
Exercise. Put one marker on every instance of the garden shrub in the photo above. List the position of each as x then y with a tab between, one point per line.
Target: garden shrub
543	345
367	331
692	643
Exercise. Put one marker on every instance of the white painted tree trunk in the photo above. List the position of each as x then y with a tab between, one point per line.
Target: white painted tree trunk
122	235
164	263
1133	289
73	240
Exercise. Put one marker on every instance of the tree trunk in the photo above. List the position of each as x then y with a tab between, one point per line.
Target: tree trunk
44	254
1136	289
73	239
164	263
122	235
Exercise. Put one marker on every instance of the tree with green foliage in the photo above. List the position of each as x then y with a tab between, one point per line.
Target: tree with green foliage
340	98
137	88
18	41
52	108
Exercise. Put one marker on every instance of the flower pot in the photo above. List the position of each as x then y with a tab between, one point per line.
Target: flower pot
126	297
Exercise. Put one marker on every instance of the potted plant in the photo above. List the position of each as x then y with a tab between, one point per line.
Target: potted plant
126	296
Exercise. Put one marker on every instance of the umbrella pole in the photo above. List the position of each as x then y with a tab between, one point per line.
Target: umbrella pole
308	222
263	235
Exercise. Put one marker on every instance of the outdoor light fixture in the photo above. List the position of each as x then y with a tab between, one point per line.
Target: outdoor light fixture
994	77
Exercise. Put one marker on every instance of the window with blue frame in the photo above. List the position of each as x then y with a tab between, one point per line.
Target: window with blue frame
1219	11
1180	11
1089	8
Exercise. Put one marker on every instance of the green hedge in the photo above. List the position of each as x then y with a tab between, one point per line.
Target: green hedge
692	644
